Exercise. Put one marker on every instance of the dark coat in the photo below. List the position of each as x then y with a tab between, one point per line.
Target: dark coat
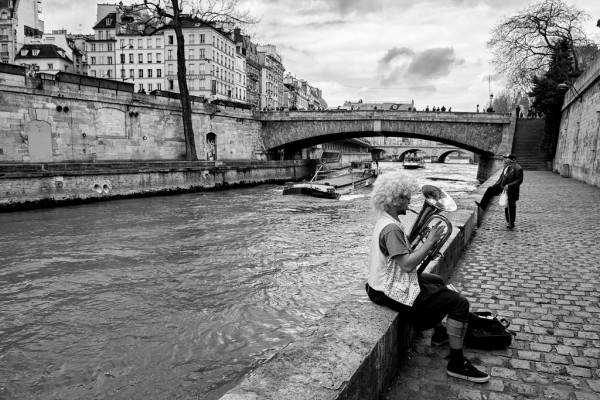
511	179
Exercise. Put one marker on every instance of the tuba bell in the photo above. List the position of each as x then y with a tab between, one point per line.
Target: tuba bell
436	201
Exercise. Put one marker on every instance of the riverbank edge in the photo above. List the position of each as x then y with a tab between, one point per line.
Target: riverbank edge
33	186
355	350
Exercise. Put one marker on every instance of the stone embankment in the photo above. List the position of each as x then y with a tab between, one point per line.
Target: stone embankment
543	276
25	186
356	350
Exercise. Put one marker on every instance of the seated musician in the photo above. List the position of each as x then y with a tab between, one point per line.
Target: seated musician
422	300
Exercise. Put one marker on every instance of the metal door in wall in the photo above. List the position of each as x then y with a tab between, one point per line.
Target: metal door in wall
40	141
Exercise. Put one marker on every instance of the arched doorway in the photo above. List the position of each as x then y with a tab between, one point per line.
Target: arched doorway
211	146
40	141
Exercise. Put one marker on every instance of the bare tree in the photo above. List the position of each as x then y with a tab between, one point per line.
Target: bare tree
522	45
152	16
508	100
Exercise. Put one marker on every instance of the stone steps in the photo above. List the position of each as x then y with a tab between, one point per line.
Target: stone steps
528	134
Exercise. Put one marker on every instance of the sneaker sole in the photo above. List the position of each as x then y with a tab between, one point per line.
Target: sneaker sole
468	378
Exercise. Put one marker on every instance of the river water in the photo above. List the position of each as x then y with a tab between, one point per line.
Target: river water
176	297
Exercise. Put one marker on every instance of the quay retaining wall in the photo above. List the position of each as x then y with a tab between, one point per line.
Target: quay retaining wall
579	141
26	186
354	351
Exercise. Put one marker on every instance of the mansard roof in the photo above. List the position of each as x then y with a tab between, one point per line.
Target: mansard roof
44	51
107	22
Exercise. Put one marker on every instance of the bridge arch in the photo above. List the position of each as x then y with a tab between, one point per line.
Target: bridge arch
485	134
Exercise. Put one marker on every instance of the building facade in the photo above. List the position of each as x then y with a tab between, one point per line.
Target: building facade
271	77
19	25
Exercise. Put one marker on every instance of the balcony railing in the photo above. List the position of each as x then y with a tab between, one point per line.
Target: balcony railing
3	37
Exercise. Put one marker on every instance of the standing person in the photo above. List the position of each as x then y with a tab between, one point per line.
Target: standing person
421	300
511	179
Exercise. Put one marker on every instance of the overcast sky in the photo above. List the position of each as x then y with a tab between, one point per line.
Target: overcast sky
430	51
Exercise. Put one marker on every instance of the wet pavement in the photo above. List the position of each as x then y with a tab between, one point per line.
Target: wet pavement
544	277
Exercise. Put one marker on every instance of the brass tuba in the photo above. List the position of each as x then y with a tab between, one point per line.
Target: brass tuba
436	201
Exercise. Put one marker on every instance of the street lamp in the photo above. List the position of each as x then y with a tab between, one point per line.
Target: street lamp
123	61
568	85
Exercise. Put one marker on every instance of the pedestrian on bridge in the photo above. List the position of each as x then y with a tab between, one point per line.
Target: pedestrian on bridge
421	300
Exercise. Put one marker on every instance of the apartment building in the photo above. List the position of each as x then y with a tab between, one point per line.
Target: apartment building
74	46
249	51
141	61
210	56
101	48
271	78
19	25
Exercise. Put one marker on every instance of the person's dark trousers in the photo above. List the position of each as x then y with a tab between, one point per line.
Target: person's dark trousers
511	213
489	193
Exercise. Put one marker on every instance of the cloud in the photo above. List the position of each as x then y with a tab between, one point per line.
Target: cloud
406	64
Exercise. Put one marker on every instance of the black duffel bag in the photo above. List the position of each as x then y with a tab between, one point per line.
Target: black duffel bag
486	331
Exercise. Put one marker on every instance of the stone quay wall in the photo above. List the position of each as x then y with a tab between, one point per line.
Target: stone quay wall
73	118
354	351
579	141
41	185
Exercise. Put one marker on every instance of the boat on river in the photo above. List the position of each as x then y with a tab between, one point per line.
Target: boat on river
413	163
360	174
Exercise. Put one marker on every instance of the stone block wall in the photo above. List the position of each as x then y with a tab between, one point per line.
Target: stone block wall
68	121
579	141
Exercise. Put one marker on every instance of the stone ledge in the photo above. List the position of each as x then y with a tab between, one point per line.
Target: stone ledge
355	351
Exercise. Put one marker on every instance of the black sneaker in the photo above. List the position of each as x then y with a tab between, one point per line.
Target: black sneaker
468	372
439	337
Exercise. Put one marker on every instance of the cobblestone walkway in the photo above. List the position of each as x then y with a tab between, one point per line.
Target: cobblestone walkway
544	276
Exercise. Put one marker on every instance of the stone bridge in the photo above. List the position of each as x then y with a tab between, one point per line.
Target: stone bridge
438	152
486	134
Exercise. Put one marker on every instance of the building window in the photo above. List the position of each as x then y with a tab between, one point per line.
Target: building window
202	54
35	52
170	39
93	47
149	43
140	73
202	38
94	73
169	54
158	86
191	39
191	54
109	46
93	60
140	58
131	73
158	43
50	66
149	87
131	59
110	60
149	73
159	73
149	57
122	58
158	58
140	43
